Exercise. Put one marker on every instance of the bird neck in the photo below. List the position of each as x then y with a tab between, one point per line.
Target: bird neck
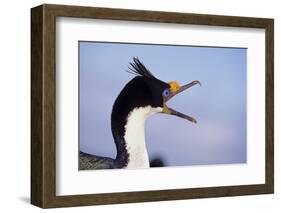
131	146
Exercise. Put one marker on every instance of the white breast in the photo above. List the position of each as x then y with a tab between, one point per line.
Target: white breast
135	136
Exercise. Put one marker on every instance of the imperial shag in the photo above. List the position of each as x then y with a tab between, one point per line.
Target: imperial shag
143	96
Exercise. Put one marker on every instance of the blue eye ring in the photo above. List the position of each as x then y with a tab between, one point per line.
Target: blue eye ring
166	93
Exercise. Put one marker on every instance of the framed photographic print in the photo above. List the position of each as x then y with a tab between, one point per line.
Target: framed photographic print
135	106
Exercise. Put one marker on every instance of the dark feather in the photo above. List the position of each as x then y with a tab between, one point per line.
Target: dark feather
138	68
88	161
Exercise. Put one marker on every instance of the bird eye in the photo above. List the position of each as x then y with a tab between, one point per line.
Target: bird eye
166	93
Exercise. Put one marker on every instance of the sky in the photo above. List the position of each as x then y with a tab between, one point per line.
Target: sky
219	105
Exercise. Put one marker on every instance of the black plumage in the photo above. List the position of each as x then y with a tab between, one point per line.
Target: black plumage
138	68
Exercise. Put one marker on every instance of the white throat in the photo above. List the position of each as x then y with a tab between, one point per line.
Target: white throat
135	136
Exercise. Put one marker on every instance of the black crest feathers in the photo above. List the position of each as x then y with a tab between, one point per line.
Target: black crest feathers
138	68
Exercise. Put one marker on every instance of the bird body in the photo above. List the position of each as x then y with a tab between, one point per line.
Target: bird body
88	161
141	97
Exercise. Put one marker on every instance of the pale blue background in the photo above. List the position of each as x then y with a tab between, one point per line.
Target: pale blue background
219	105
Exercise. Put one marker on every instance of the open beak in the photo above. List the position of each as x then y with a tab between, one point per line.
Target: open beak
174	90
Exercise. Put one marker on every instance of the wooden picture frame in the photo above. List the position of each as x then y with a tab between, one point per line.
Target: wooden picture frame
43	105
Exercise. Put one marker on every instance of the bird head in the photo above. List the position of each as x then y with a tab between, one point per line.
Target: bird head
147	90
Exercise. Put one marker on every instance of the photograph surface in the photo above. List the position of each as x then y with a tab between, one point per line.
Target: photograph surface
156	105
